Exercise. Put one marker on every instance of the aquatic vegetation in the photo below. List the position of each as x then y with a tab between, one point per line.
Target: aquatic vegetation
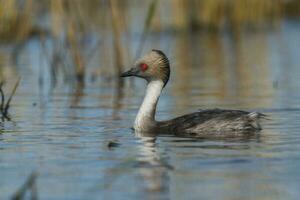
5	106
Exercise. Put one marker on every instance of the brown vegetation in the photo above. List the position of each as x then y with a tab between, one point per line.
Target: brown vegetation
70	22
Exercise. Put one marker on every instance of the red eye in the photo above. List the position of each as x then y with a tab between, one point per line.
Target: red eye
143	67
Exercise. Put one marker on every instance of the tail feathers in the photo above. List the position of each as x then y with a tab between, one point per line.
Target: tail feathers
257	115
254	119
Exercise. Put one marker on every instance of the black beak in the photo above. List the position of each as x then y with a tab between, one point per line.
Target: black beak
131	72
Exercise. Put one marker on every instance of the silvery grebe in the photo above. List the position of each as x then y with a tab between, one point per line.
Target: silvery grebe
154	67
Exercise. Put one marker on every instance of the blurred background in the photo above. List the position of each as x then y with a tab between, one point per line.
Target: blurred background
87	40
240	54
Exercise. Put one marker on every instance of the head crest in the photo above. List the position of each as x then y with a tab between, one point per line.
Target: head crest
165	61
159	52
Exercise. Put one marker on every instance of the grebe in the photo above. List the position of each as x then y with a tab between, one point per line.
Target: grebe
154	67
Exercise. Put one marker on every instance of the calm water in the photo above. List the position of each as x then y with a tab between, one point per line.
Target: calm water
62	133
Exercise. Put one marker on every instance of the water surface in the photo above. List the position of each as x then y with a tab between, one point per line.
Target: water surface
62	132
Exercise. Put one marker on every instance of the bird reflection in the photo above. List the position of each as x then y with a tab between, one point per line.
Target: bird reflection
153	167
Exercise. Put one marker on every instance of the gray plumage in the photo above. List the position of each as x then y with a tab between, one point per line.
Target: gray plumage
214	121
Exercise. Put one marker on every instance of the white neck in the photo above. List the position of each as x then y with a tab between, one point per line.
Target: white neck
146	114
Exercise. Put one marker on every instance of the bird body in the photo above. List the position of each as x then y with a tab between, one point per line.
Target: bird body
213	121
154	67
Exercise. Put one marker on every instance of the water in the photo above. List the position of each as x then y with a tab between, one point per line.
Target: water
62	133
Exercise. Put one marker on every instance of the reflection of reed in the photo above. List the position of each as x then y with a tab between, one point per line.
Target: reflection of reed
212	64
29	185
182	67
117	100
199	57
77	95
231	70
76	53
251	67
